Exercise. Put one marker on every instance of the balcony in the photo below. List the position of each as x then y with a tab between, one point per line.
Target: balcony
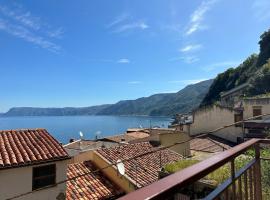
245	182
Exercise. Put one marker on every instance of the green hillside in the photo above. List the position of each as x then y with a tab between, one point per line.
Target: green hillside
168	104
255	70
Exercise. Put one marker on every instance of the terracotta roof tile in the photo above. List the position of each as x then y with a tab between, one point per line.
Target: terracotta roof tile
210	144
90	186
27	147
138	134
143	170
121	137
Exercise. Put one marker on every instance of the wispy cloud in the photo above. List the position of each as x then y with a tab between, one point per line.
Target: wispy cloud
134	82
57	33
214	66
131	26
24	18
197	17
23	33
187	59
125	22
188	82
118	20
191	47
22	24
261	9
123	61
169	91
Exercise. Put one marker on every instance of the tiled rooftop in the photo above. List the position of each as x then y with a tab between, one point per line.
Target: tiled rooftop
210	144
138	134
121	137
27	147
147	166
90	186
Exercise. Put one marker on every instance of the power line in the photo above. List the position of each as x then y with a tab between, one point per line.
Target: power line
203	134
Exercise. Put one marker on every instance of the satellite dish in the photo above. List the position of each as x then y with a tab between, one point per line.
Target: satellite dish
98	132
120	167
81	134
141	126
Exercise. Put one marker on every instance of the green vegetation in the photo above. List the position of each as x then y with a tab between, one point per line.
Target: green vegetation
221	174
255	70
218	176
179	165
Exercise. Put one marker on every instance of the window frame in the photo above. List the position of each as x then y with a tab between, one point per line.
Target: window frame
43	177
257	108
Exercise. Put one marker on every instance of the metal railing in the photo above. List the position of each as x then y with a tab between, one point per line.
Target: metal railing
244	183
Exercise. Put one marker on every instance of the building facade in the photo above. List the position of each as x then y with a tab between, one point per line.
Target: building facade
31	163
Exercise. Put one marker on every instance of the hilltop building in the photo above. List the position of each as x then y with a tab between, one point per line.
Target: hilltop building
229	97
209	118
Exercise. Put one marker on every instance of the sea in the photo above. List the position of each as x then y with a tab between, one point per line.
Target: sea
63	128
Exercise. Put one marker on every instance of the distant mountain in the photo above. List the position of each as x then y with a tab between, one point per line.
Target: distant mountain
255	70
32	111
166	104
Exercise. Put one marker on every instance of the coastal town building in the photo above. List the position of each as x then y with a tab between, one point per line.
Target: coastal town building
229	97
90	184
210	145
209	118
31	160
82	149
140	171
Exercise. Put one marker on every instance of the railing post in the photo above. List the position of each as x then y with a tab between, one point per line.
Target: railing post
233	179
257	173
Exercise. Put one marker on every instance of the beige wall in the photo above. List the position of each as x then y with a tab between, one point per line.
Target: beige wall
210	118
123	182
82	156
249	103
19	180
167	139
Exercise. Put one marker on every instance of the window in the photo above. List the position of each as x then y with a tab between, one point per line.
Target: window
257	110
237	118
43	176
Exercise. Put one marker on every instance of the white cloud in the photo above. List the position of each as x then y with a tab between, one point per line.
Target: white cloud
213	66
261	9
131	26
22	24
188	82
169	92
57	33
118	20
191	47
197	17
134	82
24	18
125	22
186	59
123	61
23	33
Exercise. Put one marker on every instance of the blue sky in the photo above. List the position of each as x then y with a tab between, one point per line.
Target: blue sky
89	52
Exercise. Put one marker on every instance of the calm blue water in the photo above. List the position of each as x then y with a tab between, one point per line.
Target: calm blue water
65	127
